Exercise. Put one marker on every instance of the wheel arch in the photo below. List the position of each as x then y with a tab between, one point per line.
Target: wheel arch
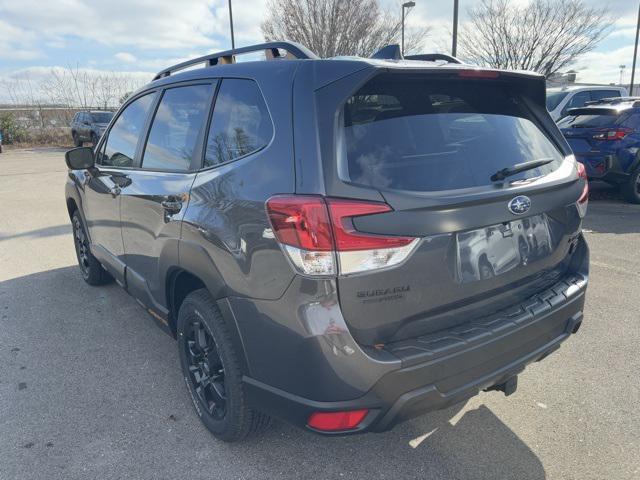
180	282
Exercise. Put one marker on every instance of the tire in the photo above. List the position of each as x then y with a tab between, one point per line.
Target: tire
94	139
631	189
76	140
212	371
92	271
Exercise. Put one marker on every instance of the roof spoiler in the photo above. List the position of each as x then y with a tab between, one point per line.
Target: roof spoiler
393	52
272	50
434	57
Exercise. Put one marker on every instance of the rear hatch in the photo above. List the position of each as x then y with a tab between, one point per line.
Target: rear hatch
427	144
594	134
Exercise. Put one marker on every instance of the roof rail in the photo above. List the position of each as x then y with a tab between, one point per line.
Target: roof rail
221	58
433	57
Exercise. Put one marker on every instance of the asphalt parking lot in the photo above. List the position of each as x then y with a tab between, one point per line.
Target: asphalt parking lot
91	388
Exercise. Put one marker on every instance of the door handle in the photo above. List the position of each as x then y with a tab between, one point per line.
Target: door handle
171	206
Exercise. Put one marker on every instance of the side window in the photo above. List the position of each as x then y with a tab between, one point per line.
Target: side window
241	123
123	137
174	131
578	100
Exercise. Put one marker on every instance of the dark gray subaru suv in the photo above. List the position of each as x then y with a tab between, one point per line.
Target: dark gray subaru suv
341	243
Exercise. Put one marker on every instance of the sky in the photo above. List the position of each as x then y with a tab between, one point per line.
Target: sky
144	36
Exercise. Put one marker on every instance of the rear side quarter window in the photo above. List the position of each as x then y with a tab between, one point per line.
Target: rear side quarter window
240	125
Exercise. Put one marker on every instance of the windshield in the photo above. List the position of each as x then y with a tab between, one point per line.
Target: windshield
554	99
438	135
102	117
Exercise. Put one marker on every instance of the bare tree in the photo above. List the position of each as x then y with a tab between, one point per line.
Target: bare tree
338	27
544	36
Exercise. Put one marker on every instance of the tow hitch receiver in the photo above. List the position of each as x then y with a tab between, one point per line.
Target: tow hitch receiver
508	387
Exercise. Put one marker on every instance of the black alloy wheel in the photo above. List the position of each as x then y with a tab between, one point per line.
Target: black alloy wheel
92	271
206	369
212	370
82	246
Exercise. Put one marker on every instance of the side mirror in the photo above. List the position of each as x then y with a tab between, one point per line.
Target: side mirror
80	158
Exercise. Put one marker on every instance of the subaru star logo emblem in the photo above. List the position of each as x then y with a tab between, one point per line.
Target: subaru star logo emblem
519	205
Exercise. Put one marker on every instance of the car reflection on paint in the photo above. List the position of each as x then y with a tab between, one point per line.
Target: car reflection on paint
488	252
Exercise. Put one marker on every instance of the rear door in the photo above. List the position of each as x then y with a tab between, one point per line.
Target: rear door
157	194
428	147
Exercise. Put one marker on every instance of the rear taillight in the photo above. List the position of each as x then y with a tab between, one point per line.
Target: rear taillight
611	134
318	235
337	421
583	201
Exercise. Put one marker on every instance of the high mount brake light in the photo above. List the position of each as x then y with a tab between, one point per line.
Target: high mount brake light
583	201
611	134
478	74
318	235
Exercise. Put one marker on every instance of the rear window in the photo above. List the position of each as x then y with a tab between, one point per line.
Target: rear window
590	118
412	134
102	117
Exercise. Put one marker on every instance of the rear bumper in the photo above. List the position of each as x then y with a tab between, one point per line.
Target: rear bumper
605	167
450	366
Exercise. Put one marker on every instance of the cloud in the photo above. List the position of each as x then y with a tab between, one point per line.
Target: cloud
17	43
145	24
608	66
152	34
125	57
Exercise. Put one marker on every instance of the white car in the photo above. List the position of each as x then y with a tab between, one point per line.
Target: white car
561	99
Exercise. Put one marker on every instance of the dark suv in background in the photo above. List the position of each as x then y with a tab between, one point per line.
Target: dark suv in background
89	126
340	243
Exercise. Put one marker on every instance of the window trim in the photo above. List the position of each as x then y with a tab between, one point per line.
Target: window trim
198	148
221	80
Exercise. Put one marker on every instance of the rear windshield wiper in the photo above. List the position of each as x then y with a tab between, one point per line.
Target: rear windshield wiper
519	167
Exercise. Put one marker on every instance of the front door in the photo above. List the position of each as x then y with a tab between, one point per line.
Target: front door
154	201
107	180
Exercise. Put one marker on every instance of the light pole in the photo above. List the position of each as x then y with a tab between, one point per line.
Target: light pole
233	43
622	67
407	5
454	44
635	53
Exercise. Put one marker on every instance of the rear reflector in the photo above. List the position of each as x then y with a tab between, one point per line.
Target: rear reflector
336	421
319	237
583	201
478	74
